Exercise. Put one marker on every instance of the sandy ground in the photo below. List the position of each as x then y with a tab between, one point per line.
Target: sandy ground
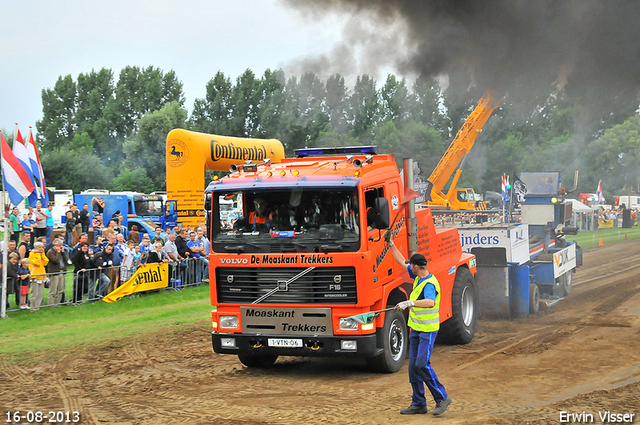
581	355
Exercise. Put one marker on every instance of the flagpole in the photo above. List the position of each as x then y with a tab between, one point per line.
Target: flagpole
504	201
5	246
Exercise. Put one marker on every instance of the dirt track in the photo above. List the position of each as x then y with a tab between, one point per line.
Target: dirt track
582	354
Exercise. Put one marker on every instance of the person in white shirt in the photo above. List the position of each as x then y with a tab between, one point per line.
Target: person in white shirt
127	261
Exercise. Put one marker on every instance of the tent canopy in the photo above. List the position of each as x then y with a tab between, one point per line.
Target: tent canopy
579	207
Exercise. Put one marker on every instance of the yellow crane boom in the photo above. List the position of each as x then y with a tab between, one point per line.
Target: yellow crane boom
452	161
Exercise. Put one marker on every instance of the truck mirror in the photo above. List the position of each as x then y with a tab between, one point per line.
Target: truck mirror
171	208
382	213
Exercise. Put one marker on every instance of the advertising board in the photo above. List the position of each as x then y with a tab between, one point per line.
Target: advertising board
514	238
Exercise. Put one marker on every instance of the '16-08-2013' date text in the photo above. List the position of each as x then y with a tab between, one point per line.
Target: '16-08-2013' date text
50	417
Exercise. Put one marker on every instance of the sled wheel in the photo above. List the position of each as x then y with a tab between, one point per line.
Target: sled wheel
534	298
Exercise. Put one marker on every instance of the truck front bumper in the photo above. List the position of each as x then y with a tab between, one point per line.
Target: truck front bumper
365	345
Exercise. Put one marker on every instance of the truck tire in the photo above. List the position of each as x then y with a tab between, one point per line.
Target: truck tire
567	282
534	298
395	342
254	360
461	326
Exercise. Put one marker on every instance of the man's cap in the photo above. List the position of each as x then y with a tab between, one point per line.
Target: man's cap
417	259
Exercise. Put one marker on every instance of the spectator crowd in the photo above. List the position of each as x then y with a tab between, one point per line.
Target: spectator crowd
39	260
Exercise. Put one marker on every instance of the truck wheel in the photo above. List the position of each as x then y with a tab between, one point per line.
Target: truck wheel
461	326
395	340
253	360
534	298
567	282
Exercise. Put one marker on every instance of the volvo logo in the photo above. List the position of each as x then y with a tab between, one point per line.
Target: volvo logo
230	278
337	278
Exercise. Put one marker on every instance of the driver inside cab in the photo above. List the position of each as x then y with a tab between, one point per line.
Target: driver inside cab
260	218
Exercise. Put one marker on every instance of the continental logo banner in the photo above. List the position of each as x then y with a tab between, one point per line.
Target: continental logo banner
189	154
146	278
230	150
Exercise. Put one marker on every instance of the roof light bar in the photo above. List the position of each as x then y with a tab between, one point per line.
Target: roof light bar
372	150
249	166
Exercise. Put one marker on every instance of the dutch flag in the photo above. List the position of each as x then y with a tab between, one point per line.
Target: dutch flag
599	198
36	168
17	181
22	155
505	192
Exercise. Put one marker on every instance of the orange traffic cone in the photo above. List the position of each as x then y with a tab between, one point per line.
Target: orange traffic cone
600	242
625	236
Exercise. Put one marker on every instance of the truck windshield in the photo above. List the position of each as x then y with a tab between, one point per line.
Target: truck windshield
149	207
294	220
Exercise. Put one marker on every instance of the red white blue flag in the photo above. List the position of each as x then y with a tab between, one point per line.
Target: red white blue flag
599	197
36	167
505	191
22	154
17	181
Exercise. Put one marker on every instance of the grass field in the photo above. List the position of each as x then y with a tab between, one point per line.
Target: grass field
67	328
51	331
608	236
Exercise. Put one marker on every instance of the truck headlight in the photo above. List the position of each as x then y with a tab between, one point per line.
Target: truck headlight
228	342
349	345
228	322
348	325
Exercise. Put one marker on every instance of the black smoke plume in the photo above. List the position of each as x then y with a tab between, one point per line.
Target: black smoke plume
589	45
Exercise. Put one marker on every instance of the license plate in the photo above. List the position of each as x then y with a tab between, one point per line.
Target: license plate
284	343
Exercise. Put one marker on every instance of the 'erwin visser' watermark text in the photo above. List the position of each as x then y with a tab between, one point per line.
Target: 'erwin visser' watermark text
604	417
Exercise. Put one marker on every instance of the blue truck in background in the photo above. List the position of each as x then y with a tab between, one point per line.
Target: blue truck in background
145	211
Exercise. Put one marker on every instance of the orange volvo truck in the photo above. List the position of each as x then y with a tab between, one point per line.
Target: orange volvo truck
309	252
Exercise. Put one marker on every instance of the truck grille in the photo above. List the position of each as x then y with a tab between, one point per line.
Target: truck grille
323	285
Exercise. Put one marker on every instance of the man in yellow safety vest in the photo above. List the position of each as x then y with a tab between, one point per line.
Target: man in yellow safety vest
424	322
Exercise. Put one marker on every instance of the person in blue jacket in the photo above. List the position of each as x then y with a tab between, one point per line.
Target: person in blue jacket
424	322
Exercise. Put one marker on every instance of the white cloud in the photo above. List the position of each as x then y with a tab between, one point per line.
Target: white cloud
46	39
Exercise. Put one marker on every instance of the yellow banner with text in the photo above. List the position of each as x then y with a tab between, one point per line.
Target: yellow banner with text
146	278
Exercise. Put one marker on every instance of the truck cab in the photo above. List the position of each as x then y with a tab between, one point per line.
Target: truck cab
149	211
308	252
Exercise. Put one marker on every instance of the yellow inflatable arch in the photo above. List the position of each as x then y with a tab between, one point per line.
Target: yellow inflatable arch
190	153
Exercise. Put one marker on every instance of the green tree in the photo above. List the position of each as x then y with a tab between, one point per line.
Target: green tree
414	140
135	180
148	148
95	92
68	169
313	117
293	132
272	104
505	156
335	139
394	99
425	106
212	114
364	107
137	92
615	159
57	126
82	143
337	98
245	100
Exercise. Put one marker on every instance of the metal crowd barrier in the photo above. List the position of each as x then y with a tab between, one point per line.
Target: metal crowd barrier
68	288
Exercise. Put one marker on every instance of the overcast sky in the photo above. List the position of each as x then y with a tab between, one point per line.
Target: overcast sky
41	40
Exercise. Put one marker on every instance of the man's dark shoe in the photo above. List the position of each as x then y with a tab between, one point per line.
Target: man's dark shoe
442	406
414	410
